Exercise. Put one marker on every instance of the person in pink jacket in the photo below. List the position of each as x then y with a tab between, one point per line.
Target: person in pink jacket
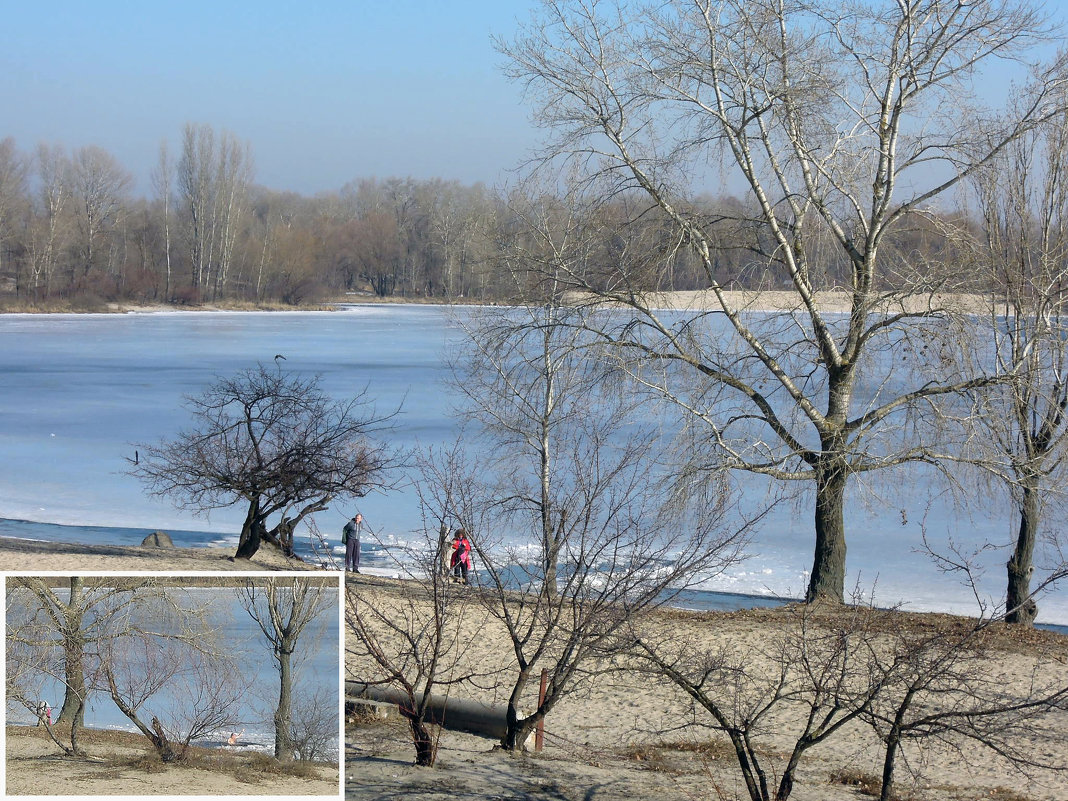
460	562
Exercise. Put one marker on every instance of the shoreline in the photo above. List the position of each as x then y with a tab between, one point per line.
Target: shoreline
35	555
40	556
831	301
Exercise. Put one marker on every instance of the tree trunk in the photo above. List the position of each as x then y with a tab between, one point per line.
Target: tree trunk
153	733
889	759
425	753
1020	608
518	731
786	783
514	735
251	532
73	711
75	731
283	748
827	581
756	783
163	745
893	743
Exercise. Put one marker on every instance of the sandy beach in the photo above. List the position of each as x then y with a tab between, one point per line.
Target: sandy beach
831	301
122	767
835	301
18	555
630	735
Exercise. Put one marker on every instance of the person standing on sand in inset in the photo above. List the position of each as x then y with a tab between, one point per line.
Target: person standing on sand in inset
350	538
461	555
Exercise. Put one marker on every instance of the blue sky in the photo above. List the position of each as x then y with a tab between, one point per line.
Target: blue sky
324	91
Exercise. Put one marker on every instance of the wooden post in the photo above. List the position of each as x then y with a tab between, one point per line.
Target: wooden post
539	732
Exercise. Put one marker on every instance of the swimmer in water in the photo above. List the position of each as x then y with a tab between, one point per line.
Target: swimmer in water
233	737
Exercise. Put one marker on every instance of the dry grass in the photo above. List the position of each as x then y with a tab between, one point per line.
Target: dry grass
1001	637
679	757
248	767
648	757
80	305
864	783
1005	794
868	784
256	768
148	762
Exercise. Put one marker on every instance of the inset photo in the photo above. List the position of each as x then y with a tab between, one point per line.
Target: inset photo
211	685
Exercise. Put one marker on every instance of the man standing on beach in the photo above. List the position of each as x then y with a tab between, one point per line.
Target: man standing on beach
350	538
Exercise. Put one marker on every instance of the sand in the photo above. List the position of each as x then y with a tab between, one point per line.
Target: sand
828	301
625	735
35	766
19	555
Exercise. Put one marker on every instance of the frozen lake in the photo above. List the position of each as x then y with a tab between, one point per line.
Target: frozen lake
79	391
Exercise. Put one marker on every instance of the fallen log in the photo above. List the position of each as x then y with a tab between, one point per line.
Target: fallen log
473	717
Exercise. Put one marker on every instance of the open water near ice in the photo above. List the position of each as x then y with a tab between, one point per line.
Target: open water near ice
316	672
79	391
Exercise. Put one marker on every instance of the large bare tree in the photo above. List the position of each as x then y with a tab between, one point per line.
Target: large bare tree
1023	206
574	476
274	441
284	609
69	625
817	671
126	637
169	672
841	122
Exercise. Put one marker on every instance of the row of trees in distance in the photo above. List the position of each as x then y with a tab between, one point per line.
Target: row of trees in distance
73	233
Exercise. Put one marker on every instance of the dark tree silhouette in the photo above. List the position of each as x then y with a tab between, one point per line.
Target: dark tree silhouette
274	441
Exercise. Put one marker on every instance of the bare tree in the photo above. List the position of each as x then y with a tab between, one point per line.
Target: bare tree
31	665
817	669
820	669
284	609
944	685
843	123
13	173
162	181
53	170
313	726
412	638
99	185
274	441
180	672
111	634
575	474
69	625
214	174
1023	206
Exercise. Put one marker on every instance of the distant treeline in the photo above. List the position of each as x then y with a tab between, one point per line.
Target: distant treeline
73	234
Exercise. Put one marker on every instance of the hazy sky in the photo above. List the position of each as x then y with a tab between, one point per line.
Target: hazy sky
324	90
